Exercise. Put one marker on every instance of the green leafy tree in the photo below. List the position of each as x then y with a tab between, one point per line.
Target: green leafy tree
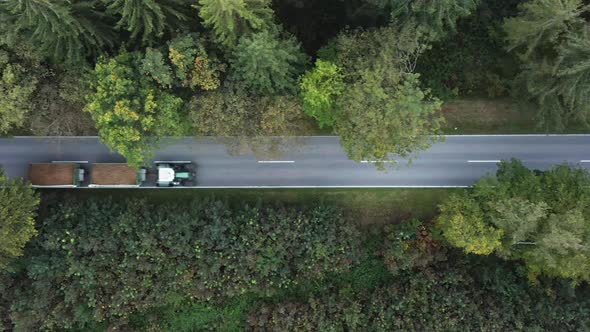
193	65
63	31
410	246
375	121
154	65
319	89
462	223
130	111
266	64
232	19
538	217
18	209
17	85
147	19
519	218
187	65
384	111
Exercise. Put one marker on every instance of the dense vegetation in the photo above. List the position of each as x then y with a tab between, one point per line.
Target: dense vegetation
208	264
135	71
18	205
100	260
540	218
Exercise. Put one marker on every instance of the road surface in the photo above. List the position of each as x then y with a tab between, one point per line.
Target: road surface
318	161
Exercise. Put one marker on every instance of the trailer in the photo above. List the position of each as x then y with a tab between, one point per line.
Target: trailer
66	174
116	175
57	174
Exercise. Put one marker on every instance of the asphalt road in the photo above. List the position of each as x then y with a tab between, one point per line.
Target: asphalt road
318	161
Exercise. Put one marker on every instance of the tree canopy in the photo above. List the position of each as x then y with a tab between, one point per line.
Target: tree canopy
551	39
540	217
384	111
232	19
64	31
120	257
437	16
18	82
130	110
18	209
319	89
266	64
147	20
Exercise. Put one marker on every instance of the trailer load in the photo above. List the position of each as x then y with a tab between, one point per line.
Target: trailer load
56	174
116	175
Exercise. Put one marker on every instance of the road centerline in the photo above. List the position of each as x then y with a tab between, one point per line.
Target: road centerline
483	161
276	161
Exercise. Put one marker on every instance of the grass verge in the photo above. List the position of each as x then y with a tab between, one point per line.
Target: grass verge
494	116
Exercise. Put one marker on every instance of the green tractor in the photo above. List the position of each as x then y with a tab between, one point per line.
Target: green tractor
175	173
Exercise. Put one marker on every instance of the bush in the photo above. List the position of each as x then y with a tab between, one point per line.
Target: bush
102	260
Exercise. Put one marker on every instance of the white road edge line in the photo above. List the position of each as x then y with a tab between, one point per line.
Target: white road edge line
327	136
290	187
377	161
585	161
276	161
483	161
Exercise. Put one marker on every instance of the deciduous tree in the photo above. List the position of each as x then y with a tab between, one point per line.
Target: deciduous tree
131	112
462	223
538	217
247	123
319	89
266	64
18	83
384	111
18	209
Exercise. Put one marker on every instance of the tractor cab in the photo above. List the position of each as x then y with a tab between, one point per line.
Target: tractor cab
175	173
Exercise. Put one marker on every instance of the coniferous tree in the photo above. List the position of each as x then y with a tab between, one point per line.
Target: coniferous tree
541	24
551	38
231	19
60	30
439	16
147	19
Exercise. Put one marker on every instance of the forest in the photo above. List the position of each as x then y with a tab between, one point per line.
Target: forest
387	76
134	71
